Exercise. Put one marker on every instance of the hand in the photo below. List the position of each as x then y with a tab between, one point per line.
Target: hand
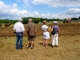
14	32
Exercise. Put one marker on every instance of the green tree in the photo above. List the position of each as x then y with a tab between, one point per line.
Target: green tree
75	19
36	20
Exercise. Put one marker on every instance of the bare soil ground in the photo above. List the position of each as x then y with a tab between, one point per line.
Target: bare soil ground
66	29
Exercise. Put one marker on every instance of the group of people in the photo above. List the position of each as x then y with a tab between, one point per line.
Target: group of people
31	33
54	30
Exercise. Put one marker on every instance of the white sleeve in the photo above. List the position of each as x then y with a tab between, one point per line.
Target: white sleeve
46	27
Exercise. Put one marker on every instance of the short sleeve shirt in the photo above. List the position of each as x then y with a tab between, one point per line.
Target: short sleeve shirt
18	27
44	27
55	28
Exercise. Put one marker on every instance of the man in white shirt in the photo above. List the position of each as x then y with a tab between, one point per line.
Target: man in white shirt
19	29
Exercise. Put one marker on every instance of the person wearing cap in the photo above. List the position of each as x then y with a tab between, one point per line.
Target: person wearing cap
31	31
55	31
45	33
18	30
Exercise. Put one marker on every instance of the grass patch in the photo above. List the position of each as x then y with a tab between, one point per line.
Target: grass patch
1	45
69	48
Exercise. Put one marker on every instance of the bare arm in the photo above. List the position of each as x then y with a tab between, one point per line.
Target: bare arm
59	30
27	28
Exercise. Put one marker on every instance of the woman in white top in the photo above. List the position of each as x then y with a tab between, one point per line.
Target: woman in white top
45	33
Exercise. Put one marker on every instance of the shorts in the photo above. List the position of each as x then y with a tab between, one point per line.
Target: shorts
46	35
31	38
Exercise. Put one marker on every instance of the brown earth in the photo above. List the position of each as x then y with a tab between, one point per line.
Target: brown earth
68	49
70	29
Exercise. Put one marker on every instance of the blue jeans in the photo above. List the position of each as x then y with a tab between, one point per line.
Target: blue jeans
19	38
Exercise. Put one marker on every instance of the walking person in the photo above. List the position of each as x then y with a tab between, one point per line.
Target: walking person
45	33
31	31
18	30
55	31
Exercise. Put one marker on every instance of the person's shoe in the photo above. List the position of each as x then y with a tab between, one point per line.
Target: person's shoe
56	45
17	48
32	46
52	46
27	46
44	45
20	48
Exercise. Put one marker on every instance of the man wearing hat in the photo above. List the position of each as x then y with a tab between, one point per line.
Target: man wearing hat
55	31
19	29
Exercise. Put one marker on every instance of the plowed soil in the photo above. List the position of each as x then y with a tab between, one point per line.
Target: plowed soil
70	29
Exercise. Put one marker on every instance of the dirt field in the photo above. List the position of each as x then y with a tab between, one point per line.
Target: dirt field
68	49
66	29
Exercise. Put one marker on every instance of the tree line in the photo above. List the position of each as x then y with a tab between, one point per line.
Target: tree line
8	21
36	20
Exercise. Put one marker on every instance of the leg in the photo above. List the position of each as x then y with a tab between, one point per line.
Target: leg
53	40
20	38
28	43
56	40
20	42
47	36
17	41
46	42
32	42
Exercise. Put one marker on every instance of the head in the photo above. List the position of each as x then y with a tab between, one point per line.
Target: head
55	23
29	20
44	22
20	20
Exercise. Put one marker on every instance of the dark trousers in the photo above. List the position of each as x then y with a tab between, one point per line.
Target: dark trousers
19	38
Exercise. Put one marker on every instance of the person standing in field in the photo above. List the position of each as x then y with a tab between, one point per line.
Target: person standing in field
18	30
45	33
55	31
31	31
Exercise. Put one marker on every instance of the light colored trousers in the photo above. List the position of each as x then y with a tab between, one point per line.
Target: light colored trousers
55	40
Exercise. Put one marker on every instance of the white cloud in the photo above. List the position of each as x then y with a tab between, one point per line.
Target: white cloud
27	3
14	5
56	3
12	12
18	0
73	11
52	3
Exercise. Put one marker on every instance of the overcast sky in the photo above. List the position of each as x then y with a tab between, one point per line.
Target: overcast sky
14	9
